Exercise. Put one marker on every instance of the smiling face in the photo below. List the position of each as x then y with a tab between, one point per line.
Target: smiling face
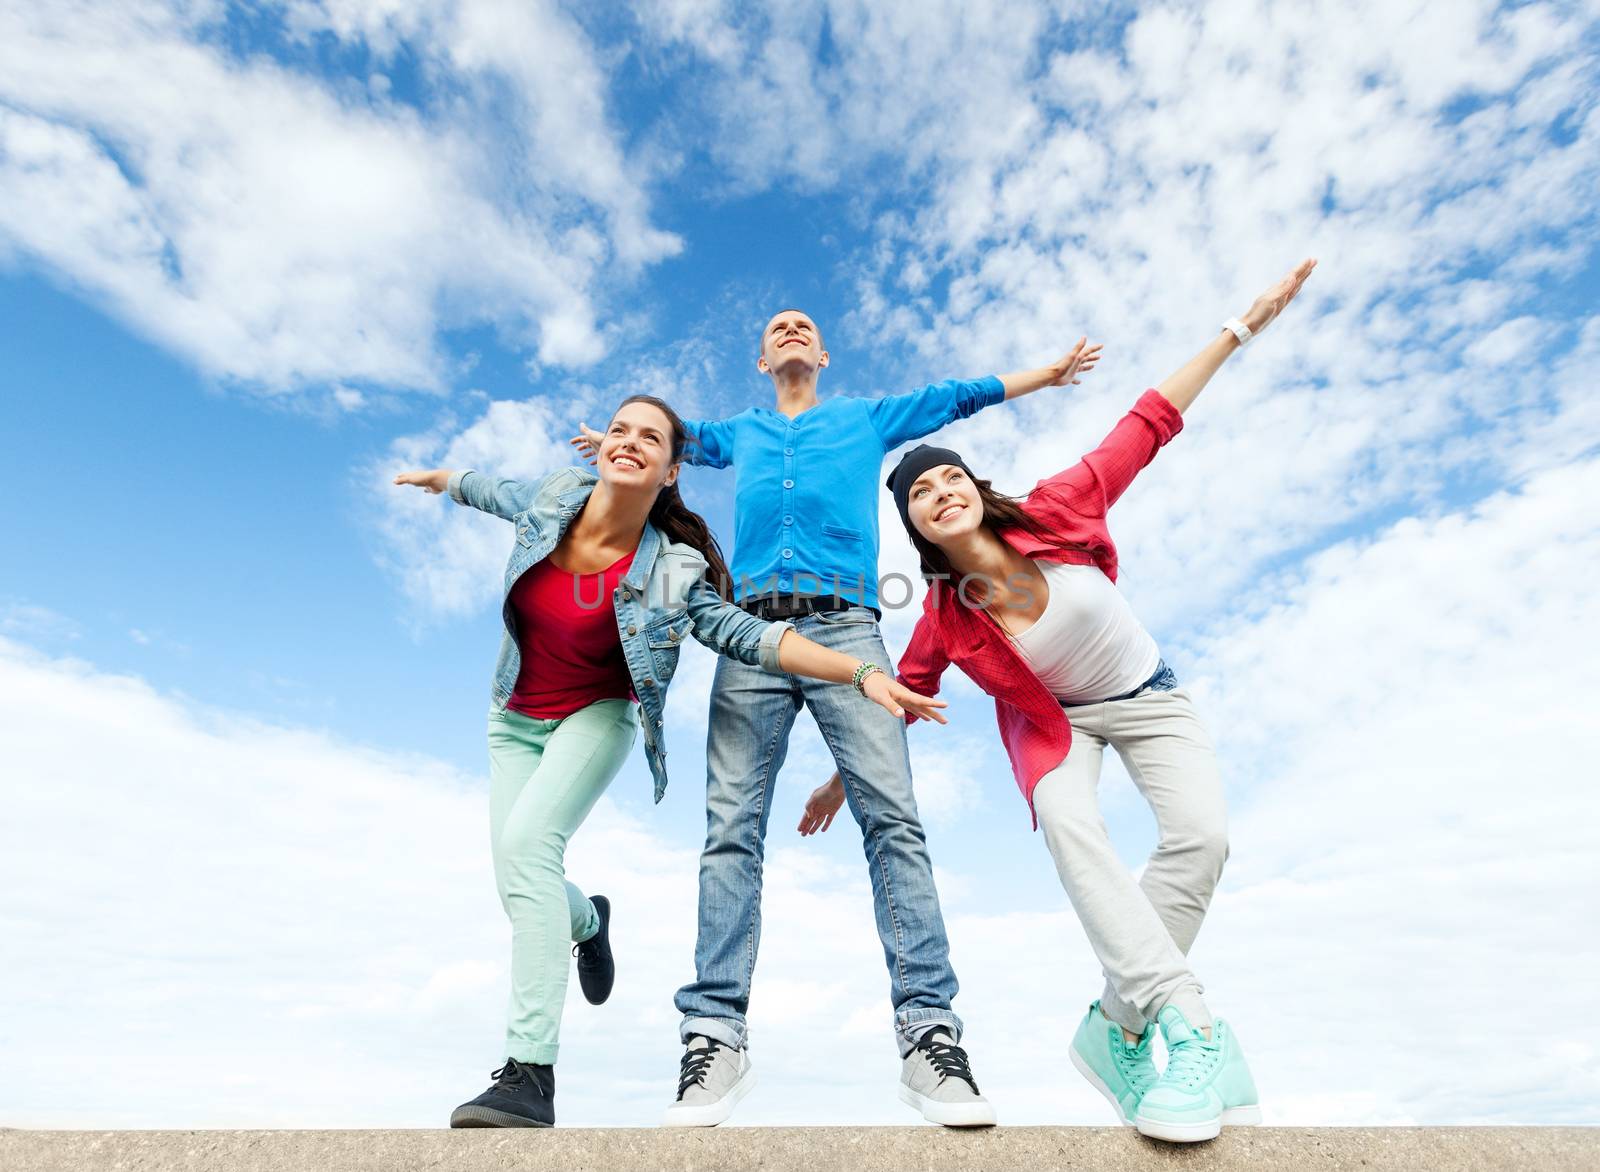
944	503
637	449
791	344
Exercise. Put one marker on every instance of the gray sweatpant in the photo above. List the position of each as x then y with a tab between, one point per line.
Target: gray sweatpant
1140	931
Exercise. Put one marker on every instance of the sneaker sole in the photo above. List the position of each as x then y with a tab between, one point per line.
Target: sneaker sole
489	1117
1189	1133
1179	1133
711	1114
1099	1084
979	1114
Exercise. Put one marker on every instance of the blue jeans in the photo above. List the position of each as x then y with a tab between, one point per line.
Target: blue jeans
752	713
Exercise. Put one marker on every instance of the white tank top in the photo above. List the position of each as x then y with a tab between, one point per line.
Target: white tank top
1087	645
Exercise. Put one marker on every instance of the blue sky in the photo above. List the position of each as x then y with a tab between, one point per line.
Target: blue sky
251	266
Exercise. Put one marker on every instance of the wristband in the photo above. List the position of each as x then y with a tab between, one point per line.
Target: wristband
1239	330
859	680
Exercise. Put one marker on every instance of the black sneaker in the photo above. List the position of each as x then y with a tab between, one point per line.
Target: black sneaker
523	1095
597	972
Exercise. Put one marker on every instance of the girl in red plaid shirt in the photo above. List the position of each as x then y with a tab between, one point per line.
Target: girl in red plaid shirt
1022	598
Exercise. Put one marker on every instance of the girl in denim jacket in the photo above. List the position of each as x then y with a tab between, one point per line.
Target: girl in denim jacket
608	575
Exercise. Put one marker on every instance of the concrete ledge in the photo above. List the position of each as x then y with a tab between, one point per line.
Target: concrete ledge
812	1149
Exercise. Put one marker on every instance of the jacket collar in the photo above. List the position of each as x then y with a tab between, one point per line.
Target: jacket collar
650	541
644	557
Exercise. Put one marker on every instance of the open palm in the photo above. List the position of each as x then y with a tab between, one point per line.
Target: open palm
1270	304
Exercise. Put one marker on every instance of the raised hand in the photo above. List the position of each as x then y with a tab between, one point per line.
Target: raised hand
434	482
1270	304
587	441
1078	360
821	806
884	691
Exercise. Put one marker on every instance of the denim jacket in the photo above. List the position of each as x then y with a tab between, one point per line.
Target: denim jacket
663	598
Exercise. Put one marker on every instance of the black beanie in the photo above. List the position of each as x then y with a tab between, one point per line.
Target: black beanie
912	465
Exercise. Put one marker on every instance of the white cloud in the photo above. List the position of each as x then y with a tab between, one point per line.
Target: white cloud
26	620
188	890
1508	342
348	399
949	786
902	83
564	133
277	228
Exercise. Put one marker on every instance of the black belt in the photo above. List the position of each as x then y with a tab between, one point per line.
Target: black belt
1164	680
791	606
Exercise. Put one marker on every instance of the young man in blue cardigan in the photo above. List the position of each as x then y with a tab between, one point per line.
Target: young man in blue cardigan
806	550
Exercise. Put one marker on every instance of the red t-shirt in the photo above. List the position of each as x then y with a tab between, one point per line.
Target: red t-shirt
567	631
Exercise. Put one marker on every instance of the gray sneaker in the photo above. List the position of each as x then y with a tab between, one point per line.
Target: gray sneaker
936	1080
711	1080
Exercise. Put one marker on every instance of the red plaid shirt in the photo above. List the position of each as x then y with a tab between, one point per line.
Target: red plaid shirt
1070	506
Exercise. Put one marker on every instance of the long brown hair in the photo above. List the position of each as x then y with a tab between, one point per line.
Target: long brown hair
674	518
999	512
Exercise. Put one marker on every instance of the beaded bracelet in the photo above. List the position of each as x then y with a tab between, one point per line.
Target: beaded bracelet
858	681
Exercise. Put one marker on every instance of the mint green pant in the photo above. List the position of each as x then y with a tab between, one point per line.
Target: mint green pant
544	778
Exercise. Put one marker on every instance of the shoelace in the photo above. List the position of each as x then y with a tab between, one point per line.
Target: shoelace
949	1060
1141	1074
511	1074
587	951
1189	1063
696	1064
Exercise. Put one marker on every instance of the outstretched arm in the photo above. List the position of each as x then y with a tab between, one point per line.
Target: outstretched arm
433	483
1183	386
1093	484
503	498
729	630
800	656
1064	371
902	418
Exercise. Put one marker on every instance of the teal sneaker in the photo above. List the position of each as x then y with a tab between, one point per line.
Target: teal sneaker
1205	1085
1120	1072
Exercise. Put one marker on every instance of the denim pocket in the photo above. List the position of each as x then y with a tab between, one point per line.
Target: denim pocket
843	618
527	529
664	637
668	632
